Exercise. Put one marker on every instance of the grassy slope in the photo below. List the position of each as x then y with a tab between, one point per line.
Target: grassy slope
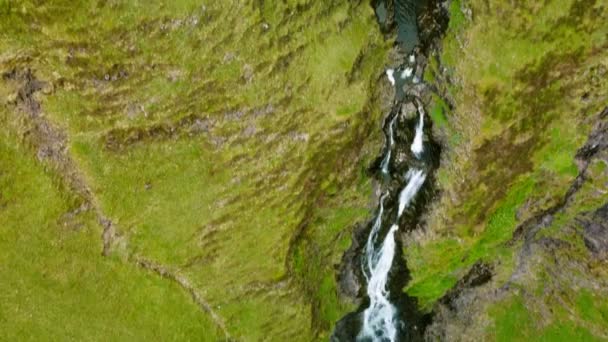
211	134
566	282
518	136
56	286
527	84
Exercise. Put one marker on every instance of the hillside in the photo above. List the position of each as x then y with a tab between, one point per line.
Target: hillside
212	170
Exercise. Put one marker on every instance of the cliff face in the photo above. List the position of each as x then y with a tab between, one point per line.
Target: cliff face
514	247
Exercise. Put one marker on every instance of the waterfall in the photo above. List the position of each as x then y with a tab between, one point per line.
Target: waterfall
379	319
371	241
417	146
390	143
407	72
390	74
416	179
383	319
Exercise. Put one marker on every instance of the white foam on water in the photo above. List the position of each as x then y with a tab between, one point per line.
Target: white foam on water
379	319
417	145
415	180
371	241
391	142
389	74
407	72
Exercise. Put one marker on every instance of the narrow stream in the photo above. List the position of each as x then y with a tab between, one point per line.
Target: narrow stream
405	170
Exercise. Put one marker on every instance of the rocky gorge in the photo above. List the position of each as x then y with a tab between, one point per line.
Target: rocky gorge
202	170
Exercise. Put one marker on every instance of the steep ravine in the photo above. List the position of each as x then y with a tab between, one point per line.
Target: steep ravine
510	228
405	174
304	170
468	300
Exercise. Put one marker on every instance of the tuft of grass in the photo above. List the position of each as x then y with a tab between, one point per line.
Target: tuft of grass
438	112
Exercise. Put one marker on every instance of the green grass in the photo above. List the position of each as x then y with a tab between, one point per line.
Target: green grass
438	112
513	321
519	80
57	286
282	93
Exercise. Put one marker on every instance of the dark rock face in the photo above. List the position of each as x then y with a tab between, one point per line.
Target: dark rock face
347	328
456	304
350	275
385	14
595	232
478	275
598	140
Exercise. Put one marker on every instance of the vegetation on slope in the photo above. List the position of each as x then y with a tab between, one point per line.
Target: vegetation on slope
55	284
521	86
225	143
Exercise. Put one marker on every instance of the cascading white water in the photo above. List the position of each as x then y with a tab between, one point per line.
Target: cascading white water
390	74
417	145
379	319
391	142
382	320
371	241
407	72
415	180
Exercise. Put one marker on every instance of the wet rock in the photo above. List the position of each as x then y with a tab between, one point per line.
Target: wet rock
408	110
347	328
385	14
416	90
349	281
